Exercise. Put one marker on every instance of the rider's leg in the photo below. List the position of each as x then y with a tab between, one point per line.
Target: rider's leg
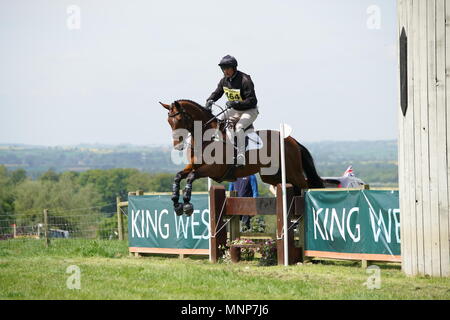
240	145
247	117
233	116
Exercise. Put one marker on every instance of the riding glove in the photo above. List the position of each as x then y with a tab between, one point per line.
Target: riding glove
209	104
232	104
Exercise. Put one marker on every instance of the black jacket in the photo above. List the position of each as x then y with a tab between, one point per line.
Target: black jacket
244	84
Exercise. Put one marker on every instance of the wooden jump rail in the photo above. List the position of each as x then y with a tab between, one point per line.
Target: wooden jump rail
222	207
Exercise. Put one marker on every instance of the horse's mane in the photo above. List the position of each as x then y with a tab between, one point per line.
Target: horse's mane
198	106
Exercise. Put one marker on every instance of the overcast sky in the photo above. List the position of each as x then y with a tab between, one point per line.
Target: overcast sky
326	67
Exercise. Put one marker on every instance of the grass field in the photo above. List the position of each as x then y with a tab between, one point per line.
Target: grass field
30	271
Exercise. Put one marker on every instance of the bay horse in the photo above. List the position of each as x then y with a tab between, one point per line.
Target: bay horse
184	114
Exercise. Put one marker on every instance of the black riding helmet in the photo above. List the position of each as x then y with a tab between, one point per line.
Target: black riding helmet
228	61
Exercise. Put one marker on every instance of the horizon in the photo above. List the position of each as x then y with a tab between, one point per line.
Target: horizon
169	145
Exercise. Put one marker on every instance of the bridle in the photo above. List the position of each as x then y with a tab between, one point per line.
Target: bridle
188	120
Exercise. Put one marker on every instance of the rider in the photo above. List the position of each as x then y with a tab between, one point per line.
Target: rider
242	106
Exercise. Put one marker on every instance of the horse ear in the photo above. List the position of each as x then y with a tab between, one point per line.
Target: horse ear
178	105
165	105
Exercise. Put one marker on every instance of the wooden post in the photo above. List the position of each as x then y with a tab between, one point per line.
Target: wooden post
234	222
119	218
47	240
14	231
218	234
364	264
235	253
299	214
235	228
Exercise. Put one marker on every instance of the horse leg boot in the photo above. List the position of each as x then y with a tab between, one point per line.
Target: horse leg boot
188	208
178	207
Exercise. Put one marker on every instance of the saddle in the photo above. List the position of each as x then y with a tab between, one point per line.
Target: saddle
225	124
252	141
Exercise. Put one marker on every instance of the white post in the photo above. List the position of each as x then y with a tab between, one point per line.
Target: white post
283	186
209	225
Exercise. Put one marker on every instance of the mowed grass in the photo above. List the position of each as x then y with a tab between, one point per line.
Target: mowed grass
28	270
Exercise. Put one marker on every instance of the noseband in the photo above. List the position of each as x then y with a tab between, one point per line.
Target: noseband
188	120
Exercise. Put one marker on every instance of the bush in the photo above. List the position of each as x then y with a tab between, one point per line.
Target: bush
258	224
268	253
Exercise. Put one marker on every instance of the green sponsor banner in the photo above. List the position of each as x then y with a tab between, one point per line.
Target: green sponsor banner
353	221
152	223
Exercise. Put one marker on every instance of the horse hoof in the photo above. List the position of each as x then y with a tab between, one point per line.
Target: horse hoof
188	209
178	209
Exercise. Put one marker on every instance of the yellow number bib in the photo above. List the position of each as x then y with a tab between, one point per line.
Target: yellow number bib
233	94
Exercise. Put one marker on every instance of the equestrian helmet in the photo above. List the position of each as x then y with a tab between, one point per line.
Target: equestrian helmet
228	61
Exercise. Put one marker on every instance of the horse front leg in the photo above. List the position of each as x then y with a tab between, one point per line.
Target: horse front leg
188	208
178	207
200	172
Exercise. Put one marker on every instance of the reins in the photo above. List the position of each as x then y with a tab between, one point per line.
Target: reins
214	117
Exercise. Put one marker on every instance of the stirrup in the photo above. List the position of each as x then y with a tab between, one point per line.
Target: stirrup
240	164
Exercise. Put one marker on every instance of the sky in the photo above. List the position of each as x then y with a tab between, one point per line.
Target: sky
93	71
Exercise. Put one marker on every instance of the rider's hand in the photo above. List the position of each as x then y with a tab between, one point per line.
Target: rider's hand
232	104
209	104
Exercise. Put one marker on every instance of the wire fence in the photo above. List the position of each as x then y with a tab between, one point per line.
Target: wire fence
87	223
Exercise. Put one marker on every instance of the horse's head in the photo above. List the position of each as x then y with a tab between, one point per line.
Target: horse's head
182	117
180	122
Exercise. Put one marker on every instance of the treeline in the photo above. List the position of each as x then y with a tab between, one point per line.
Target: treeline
373	161
82	203
38	159
78	202
69	190
376	174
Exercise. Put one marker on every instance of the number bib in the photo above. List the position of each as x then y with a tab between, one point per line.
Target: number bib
233	94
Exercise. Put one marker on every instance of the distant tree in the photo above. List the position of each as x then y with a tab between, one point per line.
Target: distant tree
49	175
6	195
18	176
72	175
108	183
71	207
161	182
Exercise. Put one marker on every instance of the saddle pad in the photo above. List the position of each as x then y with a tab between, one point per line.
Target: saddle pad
254	142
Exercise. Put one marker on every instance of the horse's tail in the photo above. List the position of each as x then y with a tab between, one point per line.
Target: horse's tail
314	180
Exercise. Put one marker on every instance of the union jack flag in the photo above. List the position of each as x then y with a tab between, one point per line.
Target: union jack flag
349	172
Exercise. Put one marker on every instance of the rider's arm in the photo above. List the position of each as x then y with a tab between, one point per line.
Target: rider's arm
248	90
218	93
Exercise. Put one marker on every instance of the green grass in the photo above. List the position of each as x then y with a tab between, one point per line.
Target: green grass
28	270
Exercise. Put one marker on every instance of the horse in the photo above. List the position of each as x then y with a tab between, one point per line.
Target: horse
183	115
